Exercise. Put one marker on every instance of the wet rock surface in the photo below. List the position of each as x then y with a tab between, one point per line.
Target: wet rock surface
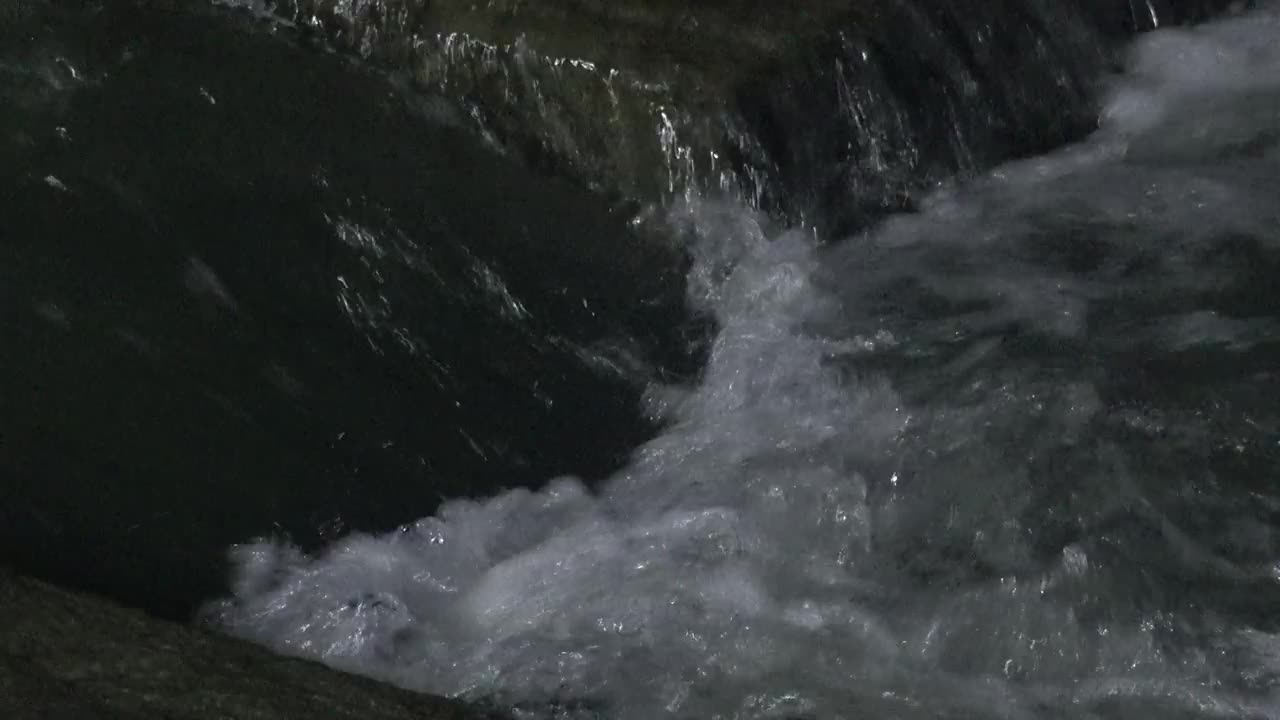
65	656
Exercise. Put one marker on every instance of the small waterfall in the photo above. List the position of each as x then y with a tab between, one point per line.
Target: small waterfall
894	358
1010	456
829	118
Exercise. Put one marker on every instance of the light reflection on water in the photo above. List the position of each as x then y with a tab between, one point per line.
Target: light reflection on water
1011	456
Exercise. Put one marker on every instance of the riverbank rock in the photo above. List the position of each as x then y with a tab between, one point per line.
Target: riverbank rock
65	656
827	114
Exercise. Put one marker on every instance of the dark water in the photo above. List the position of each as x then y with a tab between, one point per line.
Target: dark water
250	288
1010	452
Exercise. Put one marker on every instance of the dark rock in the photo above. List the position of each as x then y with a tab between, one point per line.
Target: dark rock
65	656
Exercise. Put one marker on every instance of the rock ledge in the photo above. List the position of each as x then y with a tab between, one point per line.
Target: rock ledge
65	656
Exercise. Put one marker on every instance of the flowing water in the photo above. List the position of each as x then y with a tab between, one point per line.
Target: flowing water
1013	455
1010	455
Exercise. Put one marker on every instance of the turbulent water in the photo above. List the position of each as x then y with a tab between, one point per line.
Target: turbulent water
1011	456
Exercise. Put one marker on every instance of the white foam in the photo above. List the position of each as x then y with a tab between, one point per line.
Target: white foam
803	539
1171	69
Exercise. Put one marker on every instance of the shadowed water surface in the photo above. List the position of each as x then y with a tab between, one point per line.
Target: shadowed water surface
252	289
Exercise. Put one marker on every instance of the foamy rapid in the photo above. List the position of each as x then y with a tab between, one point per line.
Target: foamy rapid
917	478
